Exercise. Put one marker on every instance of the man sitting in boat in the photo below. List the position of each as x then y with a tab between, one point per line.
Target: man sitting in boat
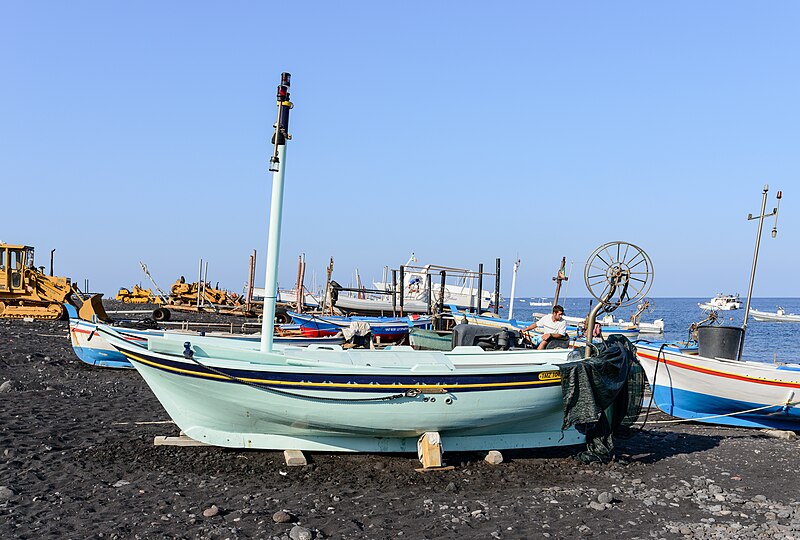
553	326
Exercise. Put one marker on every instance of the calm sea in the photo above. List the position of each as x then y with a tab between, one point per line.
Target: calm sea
764	341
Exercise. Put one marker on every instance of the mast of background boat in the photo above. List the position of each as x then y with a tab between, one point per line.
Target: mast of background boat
760	219
513	288
560	276
277	165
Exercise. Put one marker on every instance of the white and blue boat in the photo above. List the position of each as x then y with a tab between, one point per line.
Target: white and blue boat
722	391
715	385
91	348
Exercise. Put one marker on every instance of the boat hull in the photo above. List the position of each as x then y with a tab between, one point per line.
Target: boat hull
764	316
727	392
292	406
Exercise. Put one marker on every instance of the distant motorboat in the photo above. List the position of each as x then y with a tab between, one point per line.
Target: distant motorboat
779	316
723	302
541	302
655	327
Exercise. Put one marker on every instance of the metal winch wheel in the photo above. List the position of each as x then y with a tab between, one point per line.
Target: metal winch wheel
618	274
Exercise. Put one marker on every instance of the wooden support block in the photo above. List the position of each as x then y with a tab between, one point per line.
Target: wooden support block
181	440
436	469
294	458
429	450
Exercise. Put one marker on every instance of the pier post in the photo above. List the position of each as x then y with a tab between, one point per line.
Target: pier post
402	287
480	289
394	292
497	287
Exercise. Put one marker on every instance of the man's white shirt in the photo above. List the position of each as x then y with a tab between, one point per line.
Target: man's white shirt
548	326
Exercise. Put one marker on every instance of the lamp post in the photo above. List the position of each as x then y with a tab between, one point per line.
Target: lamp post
760	217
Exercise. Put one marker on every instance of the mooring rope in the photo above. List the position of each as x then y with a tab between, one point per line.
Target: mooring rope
410	393
781	404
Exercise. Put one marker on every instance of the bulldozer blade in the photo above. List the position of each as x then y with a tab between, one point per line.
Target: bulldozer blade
92	309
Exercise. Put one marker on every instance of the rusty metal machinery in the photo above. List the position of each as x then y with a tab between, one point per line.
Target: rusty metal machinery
182	293
27	292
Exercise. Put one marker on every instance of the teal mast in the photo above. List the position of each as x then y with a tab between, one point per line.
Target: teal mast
277	165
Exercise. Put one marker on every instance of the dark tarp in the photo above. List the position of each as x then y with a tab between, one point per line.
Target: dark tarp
591	386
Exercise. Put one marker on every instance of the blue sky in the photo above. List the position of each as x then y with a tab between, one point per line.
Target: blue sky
462	132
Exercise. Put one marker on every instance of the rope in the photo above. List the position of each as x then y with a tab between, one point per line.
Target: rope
410	393
786	404
652	390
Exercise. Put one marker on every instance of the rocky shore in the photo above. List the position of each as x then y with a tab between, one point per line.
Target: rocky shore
77	461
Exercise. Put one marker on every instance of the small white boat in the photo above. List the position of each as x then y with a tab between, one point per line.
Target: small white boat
541	302
722	302
655	327
779	316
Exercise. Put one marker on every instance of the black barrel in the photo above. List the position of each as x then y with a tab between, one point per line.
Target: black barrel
719	341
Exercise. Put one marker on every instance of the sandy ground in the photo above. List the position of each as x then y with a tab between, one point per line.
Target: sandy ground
77	461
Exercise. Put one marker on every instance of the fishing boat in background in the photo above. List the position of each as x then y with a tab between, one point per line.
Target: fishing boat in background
92	349
380	303
574	326
655	327
780	315
462	290
386	328
541	302
722	302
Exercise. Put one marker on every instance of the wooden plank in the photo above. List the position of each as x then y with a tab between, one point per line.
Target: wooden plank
436	469
429	450
181	440
294	458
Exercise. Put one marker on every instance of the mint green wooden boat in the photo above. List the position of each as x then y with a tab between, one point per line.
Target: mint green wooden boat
330	399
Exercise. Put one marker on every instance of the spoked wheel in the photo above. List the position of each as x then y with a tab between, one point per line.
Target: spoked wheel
618	274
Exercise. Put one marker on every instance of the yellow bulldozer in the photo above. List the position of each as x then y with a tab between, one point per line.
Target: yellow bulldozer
138	295
27	292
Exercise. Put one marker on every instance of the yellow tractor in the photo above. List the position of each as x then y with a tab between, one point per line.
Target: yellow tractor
27	292
138	295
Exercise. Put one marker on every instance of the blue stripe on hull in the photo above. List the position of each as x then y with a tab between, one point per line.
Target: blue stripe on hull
100	358
328	381
695	406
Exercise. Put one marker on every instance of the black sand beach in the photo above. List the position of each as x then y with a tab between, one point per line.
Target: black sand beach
77	461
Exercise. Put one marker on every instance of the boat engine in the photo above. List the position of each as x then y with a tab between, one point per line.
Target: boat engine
485	337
